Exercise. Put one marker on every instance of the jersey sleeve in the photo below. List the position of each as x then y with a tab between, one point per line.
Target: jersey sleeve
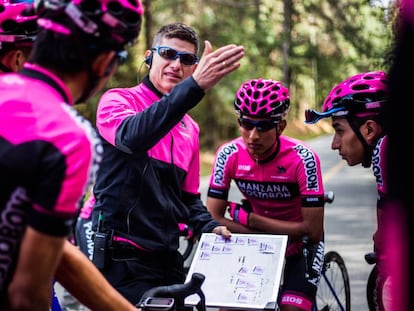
134	120
309	177
379	169
221	174
65	172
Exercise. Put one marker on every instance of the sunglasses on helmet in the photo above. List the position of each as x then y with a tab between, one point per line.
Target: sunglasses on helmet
312	116
168	53
347	106
261	126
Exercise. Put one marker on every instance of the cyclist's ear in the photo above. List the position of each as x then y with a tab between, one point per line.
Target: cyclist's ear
14	59
371	130
148	58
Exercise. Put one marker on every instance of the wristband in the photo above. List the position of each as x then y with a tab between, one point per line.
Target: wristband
242	217
239	214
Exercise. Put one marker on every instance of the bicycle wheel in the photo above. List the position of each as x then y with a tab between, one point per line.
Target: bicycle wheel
334	292
378	291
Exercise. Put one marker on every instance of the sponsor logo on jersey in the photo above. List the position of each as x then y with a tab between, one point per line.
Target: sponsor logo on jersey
264	190
309	165
317	263
243	167
295	300
221	159
12	225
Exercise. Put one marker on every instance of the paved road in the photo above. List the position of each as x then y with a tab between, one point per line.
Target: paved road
349	221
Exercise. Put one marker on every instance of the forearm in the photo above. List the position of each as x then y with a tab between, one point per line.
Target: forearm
235	226
217	209
311	226
30	287
86	283
275	226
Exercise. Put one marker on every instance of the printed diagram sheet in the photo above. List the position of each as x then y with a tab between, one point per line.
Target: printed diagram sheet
243	272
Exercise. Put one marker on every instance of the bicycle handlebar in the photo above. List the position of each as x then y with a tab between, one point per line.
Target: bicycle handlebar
178	291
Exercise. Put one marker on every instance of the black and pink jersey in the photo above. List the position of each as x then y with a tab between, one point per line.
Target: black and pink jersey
277	187
47	158
148	181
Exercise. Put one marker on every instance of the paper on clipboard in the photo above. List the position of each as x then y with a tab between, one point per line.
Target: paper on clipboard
243	272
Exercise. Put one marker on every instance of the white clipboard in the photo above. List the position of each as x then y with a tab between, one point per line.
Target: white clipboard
242	273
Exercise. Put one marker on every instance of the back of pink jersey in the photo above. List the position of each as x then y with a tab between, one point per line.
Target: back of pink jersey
48	154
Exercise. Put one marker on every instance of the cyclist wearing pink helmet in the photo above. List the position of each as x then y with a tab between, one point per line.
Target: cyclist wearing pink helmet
18	30
356	100
48	153
280	179
356	107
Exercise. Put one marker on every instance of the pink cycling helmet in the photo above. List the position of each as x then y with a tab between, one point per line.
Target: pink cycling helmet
109	22
359	96
17	21
262	98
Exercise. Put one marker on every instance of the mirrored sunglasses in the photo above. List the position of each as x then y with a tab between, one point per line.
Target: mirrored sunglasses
168	53
261	126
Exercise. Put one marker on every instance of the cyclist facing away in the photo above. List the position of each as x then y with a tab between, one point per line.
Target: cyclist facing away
149	178
355	106
280	179
48	153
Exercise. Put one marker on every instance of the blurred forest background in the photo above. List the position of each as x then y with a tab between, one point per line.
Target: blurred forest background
309	45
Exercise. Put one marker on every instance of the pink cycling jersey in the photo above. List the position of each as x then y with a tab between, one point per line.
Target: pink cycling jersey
47	157
276	188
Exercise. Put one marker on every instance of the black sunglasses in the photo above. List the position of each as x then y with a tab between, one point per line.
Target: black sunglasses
261	126
168	53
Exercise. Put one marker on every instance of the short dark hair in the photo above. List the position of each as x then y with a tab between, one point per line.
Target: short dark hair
179	31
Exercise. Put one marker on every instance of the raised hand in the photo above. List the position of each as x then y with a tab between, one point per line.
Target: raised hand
214	65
